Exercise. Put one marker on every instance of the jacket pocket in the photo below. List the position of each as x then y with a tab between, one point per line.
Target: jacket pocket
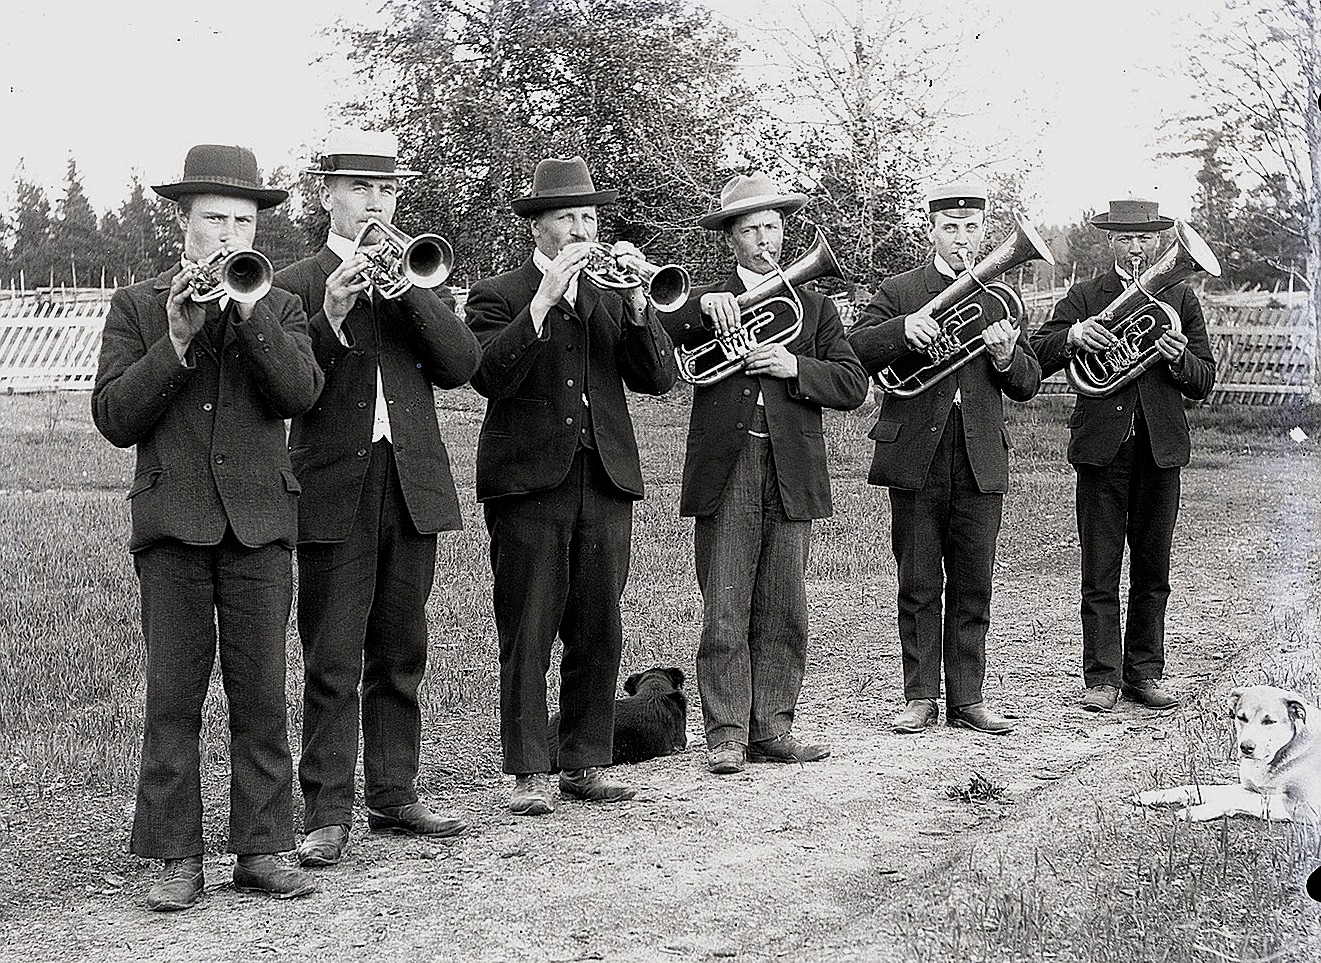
884	432
291	482
145	480
1004	435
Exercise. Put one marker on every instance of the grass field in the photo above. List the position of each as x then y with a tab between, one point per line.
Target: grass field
71	682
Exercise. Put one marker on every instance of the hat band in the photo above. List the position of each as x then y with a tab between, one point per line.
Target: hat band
571	190
359	162
957	204
204	179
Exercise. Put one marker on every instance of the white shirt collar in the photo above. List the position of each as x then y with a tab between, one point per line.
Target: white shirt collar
943	266
750	278
343	246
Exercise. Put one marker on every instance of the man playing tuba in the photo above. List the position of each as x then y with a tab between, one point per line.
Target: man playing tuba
943	454
1127	448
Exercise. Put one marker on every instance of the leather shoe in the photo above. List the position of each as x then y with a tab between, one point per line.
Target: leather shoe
727	758
413	819
786	748
178	886
324	846
265	874
590	785
919	714
977	716
1149	693
1100	698
531	795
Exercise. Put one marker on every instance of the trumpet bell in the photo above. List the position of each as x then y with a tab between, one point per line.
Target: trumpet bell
667	285
397	262
242	276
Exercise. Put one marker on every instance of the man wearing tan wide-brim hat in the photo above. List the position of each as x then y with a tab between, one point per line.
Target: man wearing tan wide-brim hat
557	475
1127	449
755	478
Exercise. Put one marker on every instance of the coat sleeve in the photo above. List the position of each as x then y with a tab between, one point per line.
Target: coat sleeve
279	350
1051	340
833	377
445	346
1196	373
646	353
509	342
877	337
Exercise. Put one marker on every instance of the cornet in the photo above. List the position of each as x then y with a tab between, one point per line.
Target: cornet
397	262
667	286
245	276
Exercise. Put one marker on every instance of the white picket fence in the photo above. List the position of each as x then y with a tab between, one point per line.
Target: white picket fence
50	343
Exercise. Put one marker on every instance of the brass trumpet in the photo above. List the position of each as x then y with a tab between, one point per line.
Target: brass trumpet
667	286
760	319
245	276
397	262
1139	319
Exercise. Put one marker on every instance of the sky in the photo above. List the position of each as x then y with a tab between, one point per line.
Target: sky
1074	94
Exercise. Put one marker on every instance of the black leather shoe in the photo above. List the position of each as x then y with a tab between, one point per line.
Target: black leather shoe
727	758
532	795
1149	693
1100	698
977	716
324	846
590	785
266	874
919	714
178	886
413	819
786	748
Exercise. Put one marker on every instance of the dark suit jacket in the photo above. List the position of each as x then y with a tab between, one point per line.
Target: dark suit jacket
535	385
829	376
210	433
908	429
418	342
1098	426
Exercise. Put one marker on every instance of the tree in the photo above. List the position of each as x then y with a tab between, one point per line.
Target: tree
279	237
77	251
30	256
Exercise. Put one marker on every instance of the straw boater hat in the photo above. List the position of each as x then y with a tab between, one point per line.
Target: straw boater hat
1132	215
745	193
561	182
360	153
220	169
957	196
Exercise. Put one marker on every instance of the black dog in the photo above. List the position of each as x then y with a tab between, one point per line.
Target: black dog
652	721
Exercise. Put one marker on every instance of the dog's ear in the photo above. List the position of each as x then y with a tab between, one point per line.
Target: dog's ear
1297	710
676	676
631	683
1232	700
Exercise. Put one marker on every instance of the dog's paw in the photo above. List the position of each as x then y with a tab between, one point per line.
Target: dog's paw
1177	796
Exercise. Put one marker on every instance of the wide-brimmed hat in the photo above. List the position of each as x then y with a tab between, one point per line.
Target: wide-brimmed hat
1132	215
360	153
224	170
965	195
561	182
745	193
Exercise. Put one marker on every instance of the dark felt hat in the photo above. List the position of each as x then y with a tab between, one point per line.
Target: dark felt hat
223	170
561	182
1132	215
745	193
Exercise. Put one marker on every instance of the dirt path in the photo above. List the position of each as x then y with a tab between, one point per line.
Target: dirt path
779	862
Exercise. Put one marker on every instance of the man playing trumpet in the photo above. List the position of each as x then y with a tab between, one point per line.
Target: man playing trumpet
1127	448
376	489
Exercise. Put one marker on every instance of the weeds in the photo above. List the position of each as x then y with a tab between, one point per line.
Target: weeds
979	788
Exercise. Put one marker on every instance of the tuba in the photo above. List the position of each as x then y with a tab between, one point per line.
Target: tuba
667	287
962	317
761	320
1138	319
397	262
245	276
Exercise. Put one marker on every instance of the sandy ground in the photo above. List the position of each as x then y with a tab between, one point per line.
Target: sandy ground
780	862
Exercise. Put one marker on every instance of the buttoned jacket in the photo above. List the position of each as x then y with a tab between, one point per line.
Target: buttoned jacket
418	344
1098	426
907	430
210	431
535	385
829	376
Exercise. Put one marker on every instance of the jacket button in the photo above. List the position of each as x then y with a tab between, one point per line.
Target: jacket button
261	337
220	459
207	407
569	382
568	421
362	404
362	452
1119	407
934	427
746	392
739	425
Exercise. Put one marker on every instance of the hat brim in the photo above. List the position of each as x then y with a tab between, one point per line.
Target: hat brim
788	203
527	206
265	197
1156	224
401	174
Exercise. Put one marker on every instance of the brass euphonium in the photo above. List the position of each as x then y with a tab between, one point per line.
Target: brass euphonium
760	321
245	276
667	286
1138	319
397	262
962	317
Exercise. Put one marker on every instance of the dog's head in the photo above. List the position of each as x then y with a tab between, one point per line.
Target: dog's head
658	678
1266	719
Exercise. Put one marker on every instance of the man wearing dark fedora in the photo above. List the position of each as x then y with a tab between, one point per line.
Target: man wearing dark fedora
557	475
202	391
754	478
943	455
377	489
1127	449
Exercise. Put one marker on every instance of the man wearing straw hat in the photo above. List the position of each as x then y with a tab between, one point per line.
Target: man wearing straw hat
755	477
557	475
202	391
1127	449
376	491
943	455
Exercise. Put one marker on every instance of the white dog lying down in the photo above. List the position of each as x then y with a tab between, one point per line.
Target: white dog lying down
1279	768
